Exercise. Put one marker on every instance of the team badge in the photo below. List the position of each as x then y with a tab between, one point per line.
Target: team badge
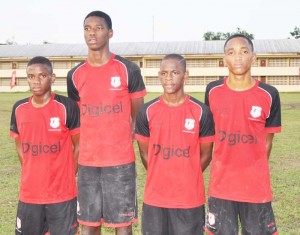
256	111
189	124
54	122
115	81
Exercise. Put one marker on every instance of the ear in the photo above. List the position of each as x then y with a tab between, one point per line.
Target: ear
254	58
224	62
53	77
110	33
186	76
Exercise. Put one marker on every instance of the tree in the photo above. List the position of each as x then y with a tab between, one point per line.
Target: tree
209	36
10	41
296	32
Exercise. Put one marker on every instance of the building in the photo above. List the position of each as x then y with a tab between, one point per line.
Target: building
278	62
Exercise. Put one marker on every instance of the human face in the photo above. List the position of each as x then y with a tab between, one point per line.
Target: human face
238	56
172	76
39	79
96	33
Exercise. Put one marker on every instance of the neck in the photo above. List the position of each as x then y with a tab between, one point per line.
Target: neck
99	58
41	101
174	99
240	83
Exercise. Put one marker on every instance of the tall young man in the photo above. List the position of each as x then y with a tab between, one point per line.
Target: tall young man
109	90
175	133
45	127
246	114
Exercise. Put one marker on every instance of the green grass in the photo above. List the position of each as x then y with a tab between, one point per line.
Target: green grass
284	164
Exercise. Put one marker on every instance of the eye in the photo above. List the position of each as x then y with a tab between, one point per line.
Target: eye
86	28
30	77
175	73
99	28
245	52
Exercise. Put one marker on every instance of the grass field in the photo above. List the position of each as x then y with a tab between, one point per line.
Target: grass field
284	164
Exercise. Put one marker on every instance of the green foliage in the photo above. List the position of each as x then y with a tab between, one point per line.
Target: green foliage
284	164
208	36
296	32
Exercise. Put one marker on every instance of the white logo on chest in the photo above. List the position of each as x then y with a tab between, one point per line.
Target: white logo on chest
189	124
256	111
54	122
115	81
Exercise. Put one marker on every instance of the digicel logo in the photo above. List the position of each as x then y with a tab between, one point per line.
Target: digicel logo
168	152
37	149
97	110
236	138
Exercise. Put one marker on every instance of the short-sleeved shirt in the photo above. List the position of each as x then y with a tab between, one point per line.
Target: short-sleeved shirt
104	94
48	174
174	135
239	169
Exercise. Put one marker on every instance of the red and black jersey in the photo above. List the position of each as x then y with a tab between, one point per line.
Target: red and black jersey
104	94
48	174
174	134
239	169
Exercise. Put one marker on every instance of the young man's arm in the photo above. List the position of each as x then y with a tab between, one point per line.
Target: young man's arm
135	105
19	150
143	147
75	141
206	154
269	142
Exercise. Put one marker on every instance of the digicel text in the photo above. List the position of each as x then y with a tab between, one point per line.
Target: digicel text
37	149
168	152
97	110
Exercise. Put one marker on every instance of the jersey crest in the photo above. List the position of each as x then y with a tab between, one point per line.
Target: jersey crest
255	111
54	122
189	124
115	82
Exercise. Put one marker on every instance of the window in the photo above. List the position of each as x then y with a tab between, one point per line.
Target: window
61	65
277	80
153	63
294	80
152	81
5	65
295	62
195	63
278	62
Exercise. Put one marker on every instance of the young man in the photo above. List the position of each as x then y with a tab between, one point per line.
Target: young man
45	127
246	114
109	91
175	134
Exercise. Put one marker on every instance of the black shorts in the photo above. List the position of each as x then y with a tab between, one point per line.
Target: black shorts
255	218
107	195
37	219
172	221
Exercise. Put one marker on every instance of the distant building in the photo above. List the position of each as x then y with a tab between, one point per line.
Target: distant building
278	62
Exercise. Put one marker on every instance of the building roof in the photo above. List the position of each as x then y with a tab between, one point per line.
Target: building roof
279	46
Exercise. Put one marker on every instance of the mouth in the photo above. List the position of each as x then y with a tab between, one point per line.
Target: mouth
168	86
36	88
92	40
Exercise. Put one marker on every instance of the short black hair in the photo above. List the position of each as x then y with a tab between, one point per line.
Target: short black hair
41	60
178	57
238	35
100	14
